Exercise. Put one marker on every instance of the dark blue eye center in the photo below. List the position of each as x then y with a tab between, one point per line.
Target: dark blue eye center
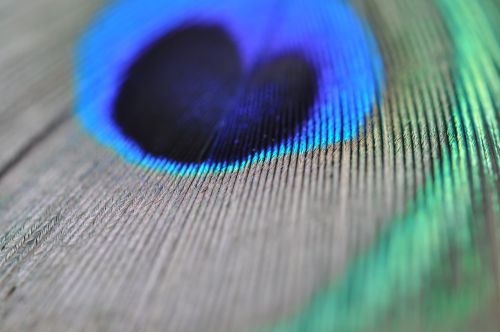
236	86
188	98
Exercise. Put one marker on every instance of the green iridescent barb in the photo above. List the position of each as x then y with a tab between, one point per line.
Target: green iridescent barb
405	282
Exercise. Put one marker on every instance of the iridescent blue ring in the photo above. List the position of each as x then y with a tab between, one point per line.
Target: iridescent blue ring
329	34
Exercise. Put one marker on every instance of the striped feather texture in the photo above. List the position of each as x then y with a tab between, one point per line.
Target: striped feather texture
389	223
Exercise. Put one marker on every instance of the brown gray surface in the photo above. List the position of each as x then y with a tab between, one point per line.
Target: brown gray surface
35	66
91	243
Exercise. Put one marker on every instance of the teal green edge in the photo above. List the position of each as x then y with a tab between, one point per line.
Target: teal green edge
406	263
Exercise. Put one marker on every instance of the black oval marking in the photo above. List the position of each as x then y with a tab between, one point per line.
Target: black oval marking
187	98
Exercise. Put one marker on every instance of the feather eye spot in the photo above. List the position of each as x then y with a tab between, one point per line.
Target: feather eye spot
195	87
